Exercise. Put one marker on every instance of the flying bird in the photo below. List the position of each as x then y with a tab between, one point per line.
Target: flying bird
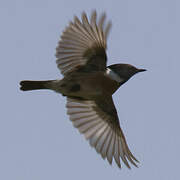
88	84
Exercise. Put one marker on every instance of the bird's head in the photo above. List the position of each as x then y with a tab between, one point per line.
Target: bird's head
122	72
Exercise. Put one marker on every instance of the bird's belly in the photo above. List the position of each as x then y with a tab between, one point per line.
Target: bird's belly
85	89
88	86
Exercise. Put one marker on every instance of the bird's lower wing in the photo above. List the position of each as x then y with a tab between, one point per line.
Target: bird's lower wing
101	128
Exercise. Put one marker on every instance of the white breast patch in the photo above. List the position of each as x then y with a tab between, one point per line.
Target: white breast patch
112	75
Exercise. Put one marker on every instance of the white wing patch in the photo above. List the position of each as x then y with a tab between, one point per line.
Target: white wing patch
107	141
79	37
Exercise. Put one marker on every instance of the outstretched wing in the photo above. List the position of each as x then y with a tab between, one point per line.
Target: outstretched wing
83	45
99	123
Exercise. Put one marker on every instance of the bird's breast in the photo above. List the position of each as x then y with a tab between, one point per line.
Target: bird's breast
87	85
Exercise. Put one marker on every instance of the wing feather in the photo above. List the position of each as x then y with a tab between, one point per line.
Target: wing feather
80	42
98	126
116	152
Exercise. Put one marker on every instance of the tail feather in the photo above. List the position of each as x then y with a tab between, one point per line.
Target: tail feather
33	85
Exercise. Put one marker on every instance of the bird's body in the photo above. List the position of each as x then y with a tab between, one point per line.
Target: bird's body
89	84
86	85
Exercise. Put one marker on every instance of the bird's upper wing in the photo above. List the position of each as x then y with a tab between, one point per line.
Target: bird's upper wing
98	121
83	45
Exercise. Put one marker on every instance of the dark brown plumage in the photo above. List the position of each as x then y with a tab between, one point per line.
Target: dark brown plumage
89	84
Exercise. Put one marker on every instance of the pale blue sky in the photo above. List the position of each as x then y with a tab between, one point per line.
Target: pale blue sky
37	139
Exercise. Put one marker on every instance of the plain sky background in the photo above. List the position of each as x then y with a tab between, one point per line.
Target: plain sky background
37	139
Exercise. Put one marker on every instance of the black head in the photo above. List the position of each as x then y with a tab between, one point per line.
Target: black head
125	71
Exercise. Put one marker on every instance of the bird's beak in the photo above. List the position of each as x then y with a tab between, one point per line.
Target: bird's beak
141	70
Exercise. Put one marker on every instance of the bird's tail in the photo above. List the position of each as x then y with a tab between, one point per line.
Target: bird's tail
34	85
